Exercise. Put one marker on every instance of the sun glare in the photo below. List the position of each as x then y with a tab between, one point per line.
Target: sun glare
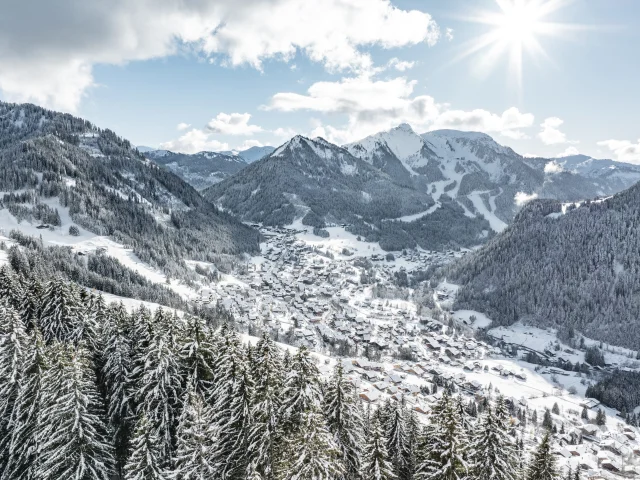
514	29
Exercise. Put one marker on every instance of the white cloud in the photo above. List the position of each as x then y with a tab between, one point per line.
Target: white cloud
624	150
553	167
38	63
521	198
285	132
400	65
194	141
372	105
568	151
550	133
449	34
183	126
233	124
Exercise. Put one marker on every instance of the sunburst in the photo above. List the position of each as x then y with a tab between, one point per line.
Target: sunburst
515	30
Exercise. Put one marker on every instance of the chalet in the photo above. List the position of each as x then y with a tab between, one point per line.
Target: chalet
611	465
370	396
452	352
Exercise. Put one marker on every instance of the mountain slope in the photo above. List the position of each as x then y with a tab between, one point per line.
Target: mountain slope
52	163
483	177
574	268
322	183
201	170
252	154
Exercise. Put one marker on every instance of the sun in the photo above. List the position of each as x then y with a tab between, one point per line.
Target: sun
514	31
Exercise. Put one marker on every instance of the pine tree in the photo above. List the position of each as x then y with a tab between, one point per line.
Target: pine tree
398	443
116	377
342	409
264	438
31	304
555	409
448	444
601	418
492	452
316	453
197	352
196	440
547	421
13	348
24	459
542	465
585	414
61	317
160	389
10	288
145	462
301	390
72	436
376	464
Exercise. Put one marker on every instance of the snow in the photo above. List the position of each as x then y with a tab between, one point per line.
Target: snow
481	321
496	224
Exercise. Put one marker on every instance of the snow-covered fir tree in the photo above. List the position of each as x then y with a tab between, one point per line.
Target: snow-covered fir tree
316	453
445	457
62	313
72	437
343	410
542	464
116	368
492	451
197	440
145	461
264	437
376	464
160	390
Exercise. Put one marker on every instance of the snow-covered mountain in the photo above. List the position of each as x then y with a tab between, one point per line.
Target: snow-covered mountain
251	154
201	169
60	171
321	183
484	177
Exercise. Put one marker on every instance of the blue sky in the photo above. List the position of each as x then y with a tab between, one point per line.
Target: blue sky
166	73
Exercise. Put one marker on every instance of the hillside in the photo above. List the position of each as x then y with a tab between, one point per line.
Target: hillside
201	170
55	166
566	266
483	177
320	183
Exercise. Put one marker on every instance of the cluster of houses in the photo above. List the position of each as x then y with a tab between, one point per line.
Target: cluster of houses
318	298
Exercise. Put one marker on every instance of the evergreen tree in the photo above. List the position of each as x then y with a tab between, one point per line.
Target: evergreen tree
492	452
13	348
145	461
196	440
601	418
264	437
197	352
22	439
376	464
344	421
116	376
398	443
159	391
547	421
31	304
585	414
72	436
447	449
316	453
542	465
555	409
62	313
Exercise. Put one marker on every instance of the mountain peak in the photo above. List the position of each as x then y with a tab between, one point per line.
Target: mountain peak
403	127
